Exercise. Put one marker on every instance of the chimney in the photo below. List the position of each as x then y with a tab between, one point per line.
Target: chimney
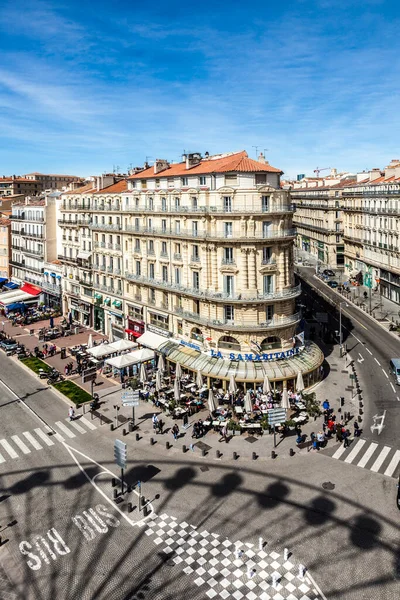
192	159
333	172
261	158
160	164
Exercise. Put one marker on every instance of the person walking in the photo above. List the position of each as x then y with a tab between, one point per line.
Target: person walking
154	420
357	431
224	433
71	413
175	431
346	436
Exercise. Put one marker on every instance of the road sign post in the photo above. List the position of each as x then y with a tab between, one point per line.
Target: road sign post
130	397
276	416
120	459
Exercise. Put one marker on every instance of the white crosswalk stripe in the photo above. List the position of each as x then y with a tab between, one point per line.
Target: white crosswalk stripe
64	429
88	423
370	456
20	444
42	437
32	440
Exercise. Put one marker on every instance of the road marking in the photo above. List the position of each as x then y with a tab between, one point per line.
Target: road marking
339	451
398	399
361	359
20	444
358	340
378	361
64	429
368	350
379	461
77	427
367	455
44	436
32	440
8	448
393	388
386	375
378	426
393	464
88	423
355	451
2	459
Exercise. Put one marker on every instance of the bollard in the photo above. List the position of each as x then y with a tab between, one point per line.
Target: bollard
184	449
130	426
286	554
360	411
359	418
152	442
273	454
203	452
124	432
137	437
111	427
113	482
167	445
254	456
238	552
218	454
260	543
235	456
291	452
302	570
146	510
130	507
275	579
115	493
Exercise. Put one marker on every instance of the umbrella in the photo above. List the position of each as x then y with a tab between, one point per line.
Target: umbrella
178	371
159	383
161	364
143	374
177	391
299	382
199	379
232	385
110	336
51	322
248	405
285	400
211	401
266	385
90	342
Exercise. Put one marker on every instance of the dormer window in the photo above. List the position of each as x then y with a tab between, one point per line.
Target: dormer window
202	180
231	179
184	181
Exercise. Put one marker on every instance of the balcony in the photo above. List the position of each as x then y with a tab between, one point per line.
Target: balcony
28	234
97	267
373	210
106	208
24	217
85	282
276	323
33	252
106	226
51	287
228	262
73	207
177	256
209	210
204	235
68	260
17	263
285	294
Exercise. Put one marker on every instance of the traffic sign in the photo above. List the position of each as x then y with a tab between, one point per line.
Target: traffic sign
89	374
120	453
130	397
276	416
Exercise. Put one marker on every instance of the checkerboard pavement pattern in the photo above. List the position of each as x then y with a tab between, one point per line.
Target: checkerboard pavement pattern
212	563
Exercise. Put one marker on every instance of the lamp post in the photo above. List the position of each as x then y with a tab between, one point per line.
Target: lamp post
340	328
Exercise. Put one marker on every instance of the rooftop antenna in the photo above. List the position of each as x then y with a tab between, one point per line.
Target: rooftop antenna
266	150
115	168
256	147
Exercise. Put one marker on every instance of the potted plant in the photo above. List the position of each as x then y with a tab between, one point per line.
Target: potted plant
231	427
312	406
264	423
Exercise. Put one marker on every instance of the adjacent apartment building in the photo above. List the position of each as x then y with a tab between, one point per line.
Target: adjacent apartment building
5	244
198	253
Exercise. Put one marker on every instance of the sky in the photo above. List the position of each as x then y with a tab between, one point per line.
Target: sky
86	87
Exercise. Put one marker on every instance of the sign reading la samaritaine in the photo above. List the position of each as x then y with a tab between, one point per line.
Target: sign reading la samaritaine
258	357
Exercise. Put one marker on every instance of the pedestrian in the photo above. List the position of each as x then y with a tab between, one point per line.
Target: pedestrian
160	426
71	413
357	431
224	432
339	436
324	426
154	420
175	431
346	436
320	439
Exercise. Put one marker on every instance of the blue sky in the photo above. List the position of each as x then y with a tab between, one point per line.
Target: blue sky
88	85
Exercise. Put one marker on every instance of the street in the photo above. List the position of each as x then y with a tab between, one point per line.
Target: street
70	540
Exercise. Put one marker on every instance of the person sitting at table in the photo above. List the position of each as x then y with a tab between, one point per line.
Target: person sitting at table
246	418
222	411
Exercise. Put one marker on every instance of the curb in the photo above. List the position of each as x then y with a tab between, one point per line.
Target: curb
396	337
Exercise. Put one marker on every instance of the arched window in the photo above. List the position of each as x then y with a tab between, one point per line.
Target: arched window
229	343
271	342
197	334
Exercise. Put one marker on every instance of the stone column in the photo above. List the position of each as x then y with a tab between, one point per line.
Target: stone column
214	267
185	267
251	260
243	279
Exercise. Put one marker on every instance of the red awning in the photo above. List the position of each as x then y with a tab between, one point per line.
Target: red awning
28	288
134	333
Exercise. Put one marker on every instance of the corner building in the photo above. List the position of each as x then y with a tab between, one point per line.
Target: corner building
208	269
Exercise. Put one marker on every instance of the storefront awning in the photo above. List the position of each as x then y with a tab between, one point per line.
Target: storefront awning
33	290
3	279
132	332
84	254
152	340
11	285
132	358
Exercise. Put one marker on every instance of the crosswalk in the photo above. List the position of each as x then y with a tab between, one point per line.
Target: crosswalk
370	456
28	441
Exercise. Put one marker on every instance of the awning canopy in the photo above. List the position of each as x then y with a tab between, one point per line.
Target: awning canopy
84	254
132	358
16	306
121	345
11	285
152	340
101	350
15	296
3	279
33	290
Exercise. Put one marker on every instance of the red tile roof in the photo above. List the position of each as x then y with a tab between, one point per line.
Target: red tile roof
5	221
115	188
234	163
89	187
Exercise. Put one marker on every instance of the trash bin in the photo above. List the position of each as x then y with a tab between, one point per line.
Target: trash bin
63	353
76	330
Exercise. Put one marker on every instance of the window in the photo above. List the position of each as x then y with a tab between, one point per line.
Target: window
177	275
261	179
152	296
195	230
184	181
151	247
228	229
163	204
195	252
150	224
136	202
196	280
151	270
267	228
138	268
177	248
202	180
194	203
229	313
163	247
196	306
151	204
137	227
177	227
268	284
137	245
267	255
144	184
157	183
228	256
265	203
164	225
165	273
227	204
228	285
231	179
170	182
269	312
177	203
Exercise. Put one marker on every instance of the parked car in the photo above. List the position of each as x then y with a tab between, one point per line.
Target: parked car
333	284
8	345
328	273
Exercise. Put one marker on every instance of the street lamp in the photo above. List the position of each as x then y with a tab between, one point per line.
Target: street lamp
340	328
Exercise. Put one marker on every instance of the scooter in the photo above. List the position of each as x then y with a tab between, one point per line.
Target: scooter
54	376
